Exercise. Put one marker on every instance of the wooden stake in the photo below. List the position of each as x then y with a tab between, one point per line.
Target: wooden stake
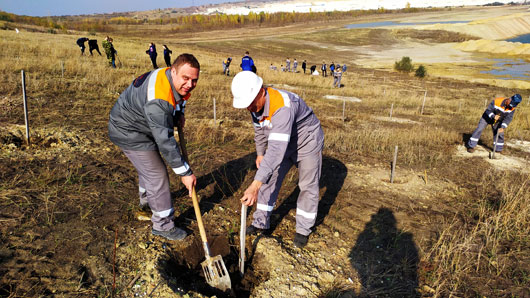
343	109
26	120
394	165
423	104
214	112
62	69
495	145
391	110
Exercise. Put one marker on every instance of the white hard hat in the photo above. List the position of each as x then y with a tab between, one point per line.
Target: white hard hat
245	86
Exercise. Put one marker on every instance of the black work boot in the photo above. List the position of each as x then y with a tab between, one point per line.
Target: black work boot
300	240
172	234
252	230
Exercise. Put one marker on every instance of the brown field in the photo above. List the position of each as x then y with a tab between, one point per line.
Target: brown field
451	224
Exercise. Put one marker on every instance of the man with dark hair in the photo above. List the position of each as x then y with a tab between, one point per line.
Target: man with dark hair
247	63
152	54
167	56
81	43
110	51
142	124
93	45
304	65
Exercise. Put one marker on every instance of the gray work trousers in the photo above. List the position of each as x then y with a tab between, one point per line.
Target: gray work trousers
309	170
336	81
473	140
153	182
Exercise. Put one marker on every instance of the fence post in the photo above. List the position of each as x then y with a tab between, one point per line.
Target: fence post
62	69
214	113
423	104
26	121
394	165
391	109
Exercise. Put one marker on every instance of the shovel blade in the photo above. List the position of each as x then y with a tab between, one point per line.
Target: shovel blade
216	274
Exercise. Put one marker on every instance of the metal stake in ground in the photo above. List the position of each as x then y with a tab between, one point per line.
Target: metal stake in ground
392	174
391	109
26	121
242	238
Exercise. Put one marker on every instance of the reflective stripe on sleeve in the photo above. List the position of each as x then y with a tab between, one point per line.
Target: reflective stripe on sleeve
164	213
181	170
151	85
264	207
491	115
286	99
283	137
141	189
308	215
474	139
504	125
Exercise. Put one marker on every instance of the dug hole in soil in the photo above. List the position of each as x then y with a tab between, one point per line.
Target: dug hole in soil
183	271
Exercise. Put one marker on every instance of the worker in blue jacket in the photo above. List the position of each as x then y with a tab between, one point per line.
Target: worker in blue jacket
247	63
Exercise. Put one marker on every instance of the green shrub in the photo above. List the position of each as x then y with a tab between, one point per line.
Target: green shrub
405	65
421	71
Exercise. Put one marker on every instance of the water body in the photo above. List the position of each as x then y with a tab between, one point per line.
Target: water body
521	38
392	23
510	69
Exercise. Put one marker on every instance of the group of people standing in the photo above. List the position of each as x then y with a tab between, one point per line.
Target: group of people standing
111	53
151	51
336	70
107	44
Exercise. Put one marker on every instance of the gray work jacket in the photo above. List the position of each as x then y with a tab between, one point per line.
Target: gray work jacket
285	128
140	121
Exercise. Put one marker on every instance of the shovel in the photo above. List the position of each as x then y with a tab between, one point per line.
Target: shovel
242	238
213	267
494	146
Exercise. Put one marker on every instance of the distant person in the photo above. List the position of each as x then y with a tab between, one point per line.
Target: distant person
287	132
226	66
152	54
313	68
295	65
344	68
287	64
331	68
304	65
93	45
282	68
141	124
498	114
337	76
110	51
247	63
324	69
81	43
272	67
167	55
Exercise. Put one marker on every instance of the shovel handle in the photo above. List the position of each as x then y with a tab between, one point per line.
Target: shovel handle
202	231
194	199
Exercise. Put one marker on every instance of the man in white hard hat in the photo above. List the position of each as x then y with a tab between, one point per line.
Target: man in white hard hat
287	133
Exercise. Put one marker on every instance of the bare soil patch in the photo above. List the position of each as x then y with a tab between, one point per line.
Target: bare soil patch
501	162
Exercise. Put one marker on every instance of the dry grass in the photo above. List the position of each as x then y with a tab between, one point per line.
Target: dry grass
480	249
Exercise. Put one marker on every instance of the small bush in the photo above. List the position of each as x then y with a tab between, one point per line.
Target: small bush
421	71
405	65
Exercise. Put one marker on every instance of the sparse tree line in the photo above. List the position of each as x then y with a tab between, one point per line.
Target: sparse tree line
195	23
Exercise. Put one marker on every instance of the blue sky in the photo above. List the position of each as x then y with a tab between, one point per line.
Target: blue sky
74	7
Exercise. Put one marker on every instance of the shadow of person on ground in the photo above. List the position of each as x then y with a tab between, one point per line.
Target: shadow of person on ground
226	180
385	258
333	174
